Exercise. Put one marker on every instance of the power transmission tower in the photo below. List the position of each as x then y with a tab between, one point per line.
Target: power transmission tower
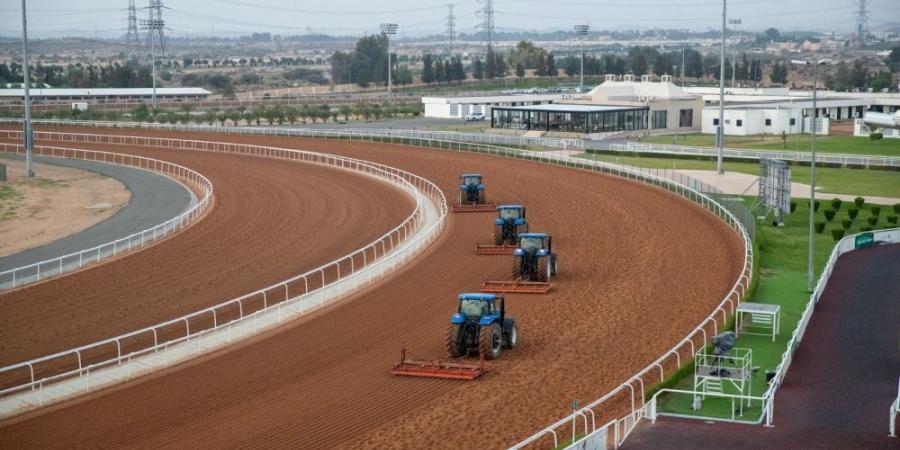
451	24
862	19
132	41
155	26
487	22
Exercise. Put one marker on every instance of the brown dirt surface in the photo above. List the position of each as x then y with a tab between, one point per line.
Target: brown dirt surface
58	202
639	269
271	220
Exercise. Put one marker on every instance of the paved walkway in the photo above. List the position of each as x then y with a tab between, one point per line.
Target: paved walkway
843	379
742	183
154	199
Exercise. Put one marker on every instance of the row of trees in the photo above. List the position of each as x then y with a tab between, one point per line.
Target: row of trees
441	70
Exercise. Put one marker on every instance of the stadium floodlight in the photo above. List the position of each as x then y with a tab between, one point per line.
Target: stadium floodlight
28	131
389	29
582	32
810	268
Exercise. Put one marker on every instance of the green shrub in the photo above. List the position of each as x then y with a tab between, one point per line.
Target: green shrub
876	136
829	214
873	220
846	223
794	206
876	210
820	227
816	206
892	220
852	213
864	229
897	208
859	202
836	204
837	233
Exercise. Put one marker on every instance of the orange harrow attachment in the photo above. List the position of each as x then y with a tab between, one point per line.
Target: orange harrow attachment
490	249
454	369
516	287
475	207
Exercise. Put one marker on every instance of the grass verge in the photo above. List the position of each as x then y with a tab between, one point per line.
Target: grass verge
826	144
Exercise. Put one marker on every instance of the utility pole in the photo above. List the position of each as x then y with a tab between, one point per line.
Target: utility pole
582	32
451	24
720	130
734	61
389	29
28	132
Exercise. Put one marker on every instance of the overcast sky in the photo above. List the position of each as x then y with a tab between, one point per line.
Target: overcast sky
107	18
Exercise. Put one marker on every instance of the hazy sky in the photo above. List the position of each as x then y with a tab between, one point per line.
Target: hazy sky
107	18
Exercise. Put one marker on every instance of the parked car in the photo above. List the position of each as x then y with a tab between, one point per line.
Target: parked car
474	117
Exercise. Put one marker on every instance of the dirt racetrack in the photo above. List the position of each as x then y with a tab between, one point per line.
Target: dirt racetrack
639	269
271	220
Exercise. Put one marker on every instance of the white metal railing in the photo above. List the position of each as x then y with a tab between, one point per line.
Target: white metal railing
895	408
82	361
821	158
19	276
382	133
734	213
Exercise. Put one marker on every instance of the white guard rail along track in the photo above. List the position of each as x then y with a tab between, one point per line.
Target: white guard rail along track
42	270
632	392
383	253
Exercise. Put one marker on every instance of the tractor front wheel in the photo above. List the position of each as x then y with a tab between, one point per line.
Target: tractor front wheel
455	345
543	269
554	269
498	235
490	341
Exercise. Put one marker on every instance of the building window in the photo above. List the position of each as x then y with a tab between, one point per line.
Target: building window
716	122
686	118
740	122
793	121
768	122
659	120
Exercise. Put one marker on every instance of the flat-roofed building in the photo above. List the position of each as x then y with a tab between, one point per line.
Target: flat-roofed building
104	95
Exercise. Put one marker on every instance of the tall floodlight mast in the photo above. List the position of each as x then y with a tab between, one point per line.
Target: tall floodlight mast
720	130
389	29
581	31
28	132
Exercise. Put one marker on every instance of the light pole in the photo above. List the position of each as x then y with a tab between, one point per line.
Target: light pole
720	130
810	268
389	29
682	65
734	61
28	131
581	31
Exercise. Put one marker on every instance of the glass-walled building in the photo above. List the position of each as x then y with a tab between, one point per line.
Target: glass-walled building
571	118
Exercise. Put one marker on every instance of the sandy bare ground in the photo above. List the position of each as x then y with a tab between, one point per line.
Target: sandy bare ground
57	202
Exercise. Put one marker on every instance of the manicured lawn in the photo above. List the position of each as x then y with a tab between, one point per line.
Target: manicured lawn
826	144
782	255
881	183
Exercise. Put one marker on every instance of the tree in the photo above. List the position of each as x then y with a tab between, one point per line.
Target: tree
458	72
495	65
428	69
743	68
893	60
403	76
881	80
520	71
439	71
779	73
693	64
346	110
772	34
528	55
478	69
550	64
859	75
638	64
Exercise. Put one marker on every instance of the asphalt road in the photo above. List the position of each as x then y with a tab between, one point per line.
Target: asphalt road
154	199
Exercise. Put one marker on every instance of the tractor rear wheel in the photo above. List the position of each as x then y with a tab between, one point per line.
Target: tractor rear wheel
455	344
543	269
498	235
510	333
490	341
481	197
554	269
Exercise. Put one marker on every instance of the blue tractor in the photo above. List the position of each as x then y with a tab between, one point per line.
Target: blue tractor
480	326
535	260
509	224
471	189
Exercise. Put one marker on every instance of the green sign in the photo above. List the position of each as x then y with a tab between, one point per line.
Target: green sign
865	240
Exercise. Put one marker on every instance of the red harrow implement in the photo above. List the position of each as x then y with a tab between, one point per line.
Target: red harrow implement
516	287
474	207
453	369
488	249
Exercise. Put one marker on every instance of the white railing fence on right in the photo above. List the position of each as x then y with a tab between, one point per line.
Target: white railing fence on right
895	408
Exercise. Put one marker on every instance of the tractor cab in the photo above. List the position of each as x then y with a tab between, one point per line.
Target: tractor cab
481	308
470	181
538	244
513	214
